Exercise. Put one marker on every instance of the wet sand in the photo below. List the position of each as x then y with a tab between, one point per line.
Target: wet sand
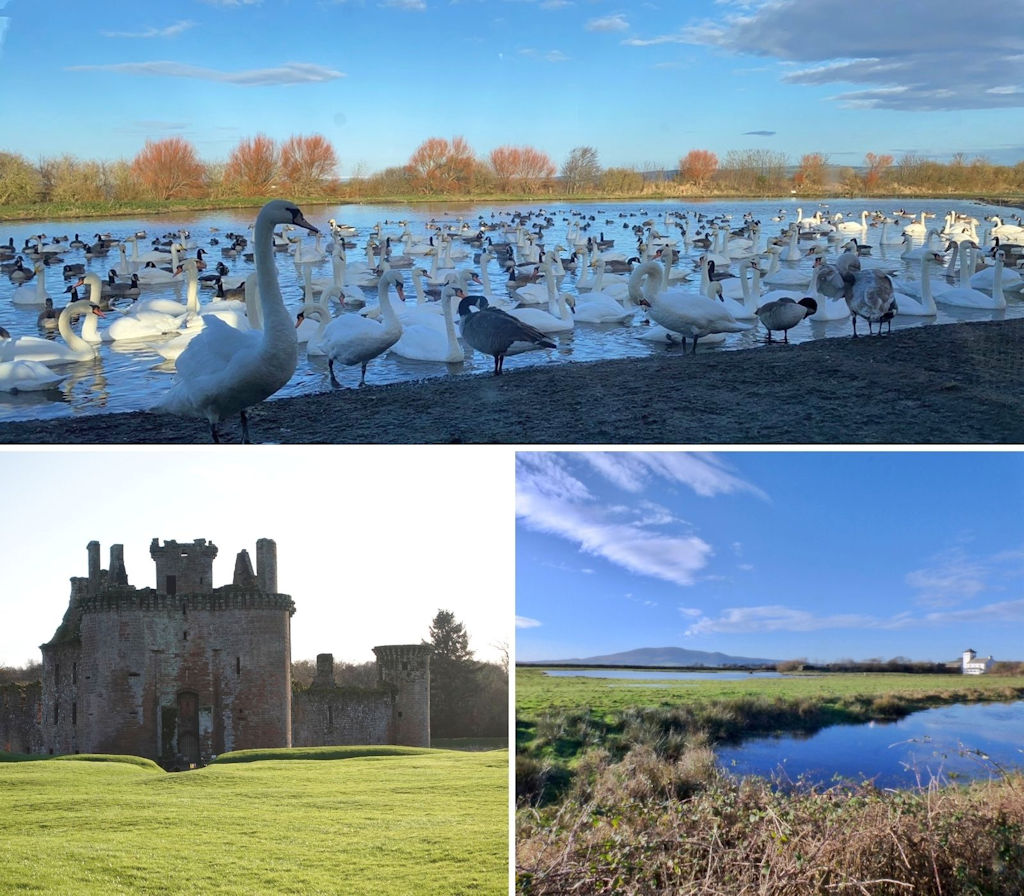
950	384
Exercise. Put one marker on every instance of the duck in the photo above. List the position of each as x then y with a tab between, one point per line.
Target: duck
494	332
352	339
691	315
224	371
784	314
74	348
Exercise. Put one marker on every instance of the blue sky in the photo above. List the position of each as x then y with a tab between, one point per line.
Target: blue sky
371	542
776	554
642	83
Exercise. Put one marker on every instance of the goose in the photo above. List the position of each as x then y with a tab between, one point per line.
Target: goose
494	332
688	314
18	273
354	339
48	317
423	342
784	314
224	371
27	376
73	348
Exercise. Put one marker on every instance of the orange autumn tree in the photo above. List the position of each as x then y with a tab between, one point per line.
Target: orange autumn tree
876	167
440	166
169	169
253	166
523	166
307	163
698	166
811	171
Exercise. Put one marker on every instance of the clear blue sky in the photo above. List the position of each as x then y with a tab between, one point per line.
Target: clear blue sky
371	542
822	555
641	83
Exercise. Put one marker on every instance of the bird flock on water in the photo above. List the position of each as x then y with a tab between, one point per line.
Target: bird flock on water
685	279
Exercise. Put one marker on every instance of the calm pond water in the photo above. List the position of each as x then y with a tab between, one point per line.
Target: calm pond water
132	376
946	743
653	675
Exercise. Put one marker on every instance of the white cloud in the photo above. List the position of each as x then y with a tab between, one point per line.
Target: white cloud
527	622
632	471
615	22
412	5
941	60
289	73
169	31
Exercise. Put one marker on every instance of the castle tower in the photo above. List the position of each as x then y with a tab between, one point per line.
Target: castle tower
324	671
266	565
406	668
94	566
118	574
183	568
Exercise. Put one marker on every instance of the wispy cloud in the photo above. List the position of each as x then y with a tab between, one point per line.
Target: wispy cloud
775	618
289	73
615	22
527	622
641	536
759	133
168	31
411	5
546	55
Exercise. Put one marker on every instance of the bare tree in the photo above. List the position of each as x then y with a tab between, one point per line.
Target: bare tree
581	169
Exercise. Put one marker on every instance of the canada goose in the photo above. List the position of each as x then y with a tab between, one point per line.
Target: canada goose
495	332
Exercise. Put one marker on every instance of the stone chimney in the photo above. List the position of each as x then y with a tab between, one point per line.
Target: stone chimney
266	565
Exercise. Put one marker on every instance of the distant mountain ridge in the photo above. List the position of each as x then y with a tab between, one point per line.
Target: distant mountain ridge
663	656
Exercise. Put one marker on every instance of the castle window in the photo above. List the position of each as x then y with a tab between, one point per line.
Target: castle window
74	673
171	585
238	665
56	713
74	713
56	672
185	636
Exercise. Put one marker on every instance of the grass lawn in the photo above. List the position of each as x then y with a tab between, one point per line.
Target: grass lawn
343	822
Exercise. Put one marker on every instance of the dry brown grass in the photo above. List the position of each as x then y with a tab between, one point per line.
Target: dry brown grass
649	825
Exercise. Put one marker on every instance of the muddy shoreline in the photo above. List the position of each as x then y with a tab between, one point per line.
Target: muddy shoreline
950	384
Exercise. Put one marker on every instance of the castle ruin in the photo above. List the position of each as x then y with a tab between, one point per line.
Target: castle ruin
183	671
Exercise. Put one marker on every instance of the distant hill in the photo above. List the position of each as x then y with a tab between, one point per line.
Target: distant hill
661	656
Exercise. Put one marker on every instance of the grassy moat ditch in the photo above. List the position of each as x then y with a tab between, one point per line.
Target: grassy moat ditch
619	791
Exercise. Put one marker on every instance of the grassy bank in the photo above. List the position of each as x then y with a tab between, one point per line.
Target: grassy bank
618	792
421	821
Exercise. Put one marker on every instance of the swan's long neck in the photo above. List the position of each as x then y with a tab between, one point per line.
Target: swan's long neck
454	348
191	289
387	311
926	283
74	341
272	311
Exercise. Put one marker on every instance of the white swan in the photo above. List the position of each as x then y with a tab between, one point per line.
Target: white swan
960	296
223	371
353	339
424	342
29	294
829	307
27	376
557	319
917	306
49	351
688	314
138	323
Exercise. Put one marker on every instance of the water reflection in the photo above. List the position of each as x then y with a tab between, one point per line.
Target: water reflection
946	743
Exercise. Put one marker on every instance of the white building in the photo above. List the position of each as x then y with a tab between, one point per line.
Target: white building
974	664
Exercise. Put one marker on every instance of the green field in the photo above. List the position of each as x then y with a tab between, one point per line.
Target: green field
537	693
350	821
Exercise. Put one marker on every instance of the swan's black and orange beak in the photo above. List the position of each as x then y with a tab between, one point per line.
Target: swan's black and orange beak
644	303
299	221
299	318
95	309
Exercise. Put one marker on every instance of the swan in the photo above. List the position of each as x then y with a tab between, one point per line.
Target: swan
74	348
423	342
868	294
688	314
354	339
600	308
784	277
27	376
223	371
829	308
26	293
548	321
918	228
853	227
917	306
743	306
961	296
139	323
784	314
985	278
495	332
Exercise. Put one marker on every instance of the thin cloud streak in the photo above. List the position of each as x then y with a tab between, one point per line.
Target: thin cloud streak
170	31
288	74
